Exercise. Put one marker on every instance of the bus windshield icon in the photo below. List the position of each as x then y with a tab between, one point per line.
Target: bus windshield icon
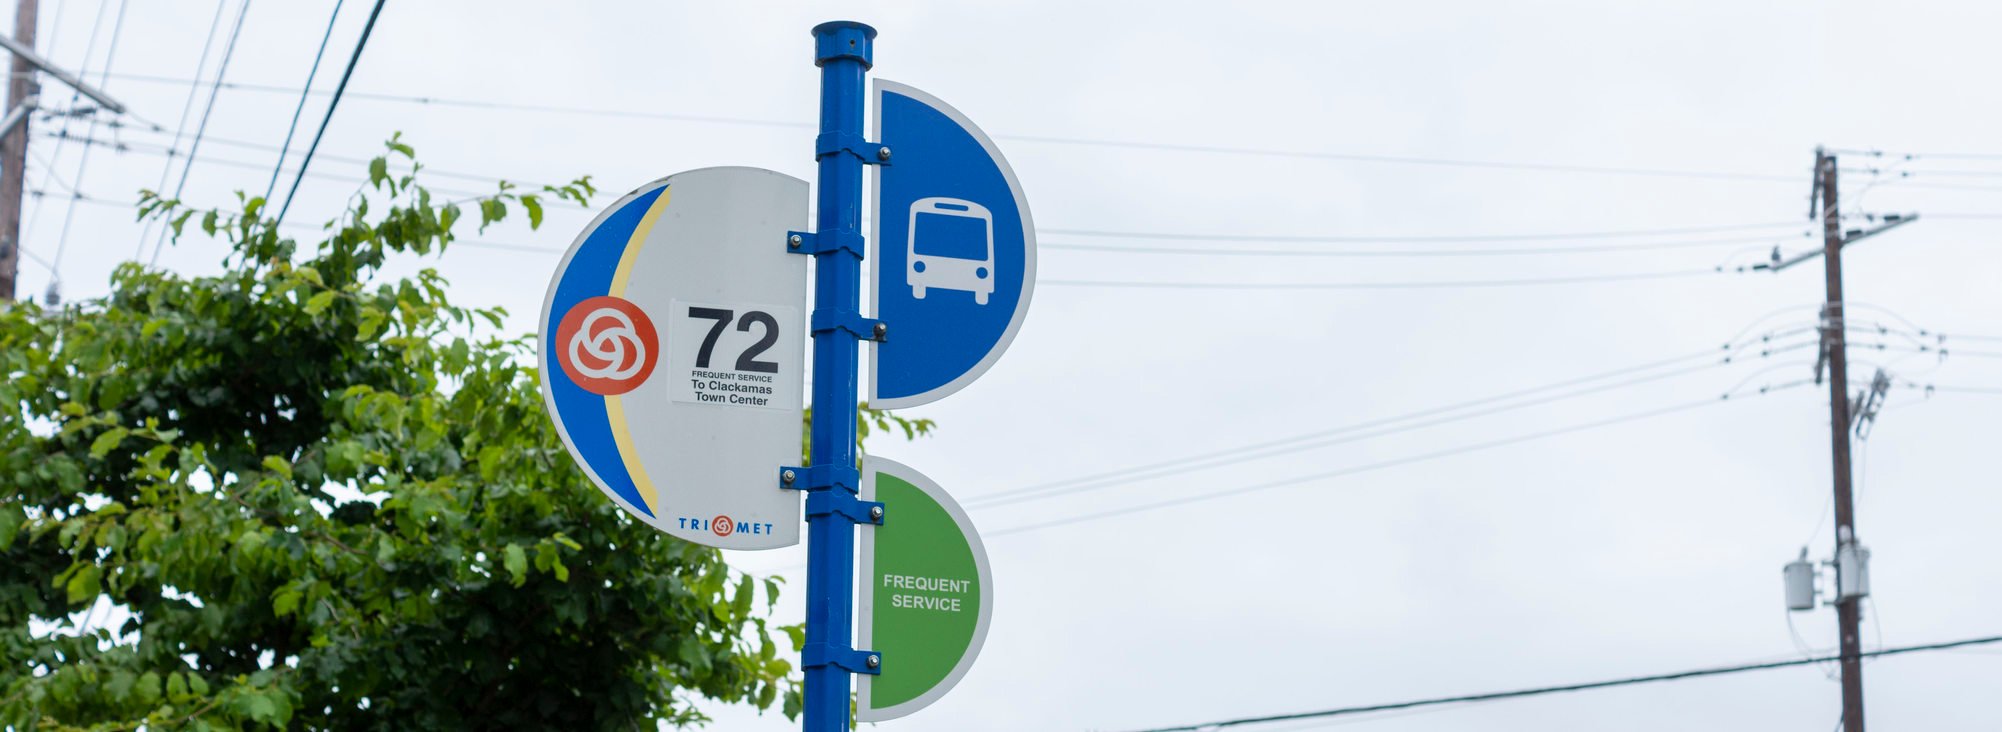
951	248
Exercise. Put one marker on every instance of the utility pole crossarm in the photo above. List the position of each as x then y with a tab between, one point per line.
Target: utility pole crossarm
1890	222
17	115
28	54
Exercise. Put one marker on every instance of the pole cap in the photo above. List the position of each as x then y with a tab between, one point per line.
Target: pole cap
843	39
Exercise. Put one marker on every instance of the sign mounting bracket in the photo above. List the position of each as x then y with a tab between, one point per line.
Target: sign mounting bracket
849	659
867	329
839	240
820	477
835	143
829	502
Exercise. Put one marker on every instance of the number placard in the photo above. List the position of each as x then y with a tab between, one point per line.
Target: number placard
734	355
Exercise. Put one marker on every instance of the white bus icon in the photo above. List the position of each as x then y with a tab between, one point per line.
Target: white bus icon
951	247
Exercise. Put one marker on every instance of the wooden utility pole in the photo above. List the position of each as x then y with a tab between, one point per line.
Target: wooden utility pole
1833	323
21	88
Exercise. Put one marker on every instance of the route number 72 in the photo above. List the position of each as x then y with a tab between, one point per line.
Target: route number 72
748	360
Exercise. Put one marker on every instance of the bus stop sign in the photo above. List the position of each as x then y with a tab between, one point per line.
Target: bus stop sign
954	251
673	354
927	592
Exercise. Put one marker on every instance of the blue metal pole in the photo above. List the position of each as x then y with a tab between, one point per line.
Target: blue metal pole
842	51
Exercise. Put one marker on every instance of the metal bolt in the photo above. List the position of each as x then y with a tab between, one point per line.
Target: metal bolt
876	512
883	153
794	241
874	660
787	476
881	329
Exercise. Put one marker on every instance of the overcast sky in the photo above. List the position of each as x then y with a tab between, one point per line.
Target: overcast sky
1632	547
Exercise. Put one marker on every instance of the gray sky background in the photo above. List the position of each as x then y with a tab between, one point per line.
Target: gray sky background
1646	546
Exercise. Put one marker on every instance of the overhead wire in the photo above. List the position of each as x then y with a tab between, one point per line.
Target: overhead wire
202	127
350	159
311	73
1918	155
129	205
1410	159
1367	467
76	96
1327	438
1366	285
1544	690
145	149
1493	252
187	107
335	103
1449	238
83	160
1727	350
1053	140
1639	246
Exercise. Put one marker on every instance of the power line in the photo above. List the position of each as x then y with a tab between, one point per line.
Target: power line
1940	186
170	153
1508	251
1413	285
1942	173
186	107
201	128
1046	139
1917	155
346	74
1351	433
495	106
1539	691
1367	467
311	73
76	95
109	203
1358	239
1411	160
145	149
48	167
83	160
1446	409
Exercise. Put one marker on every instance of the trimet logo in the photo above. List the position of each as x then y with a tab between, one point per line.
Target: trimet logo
607	345
723	526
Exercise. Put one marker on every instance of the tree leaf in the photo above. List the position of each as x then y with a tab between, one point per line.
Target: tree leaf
259	707
11	519
285	601
319	302
534	208
517	564
83	584
108	441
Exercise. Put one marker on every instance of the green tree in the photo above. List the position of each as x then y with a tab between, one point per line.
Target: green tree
328	500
